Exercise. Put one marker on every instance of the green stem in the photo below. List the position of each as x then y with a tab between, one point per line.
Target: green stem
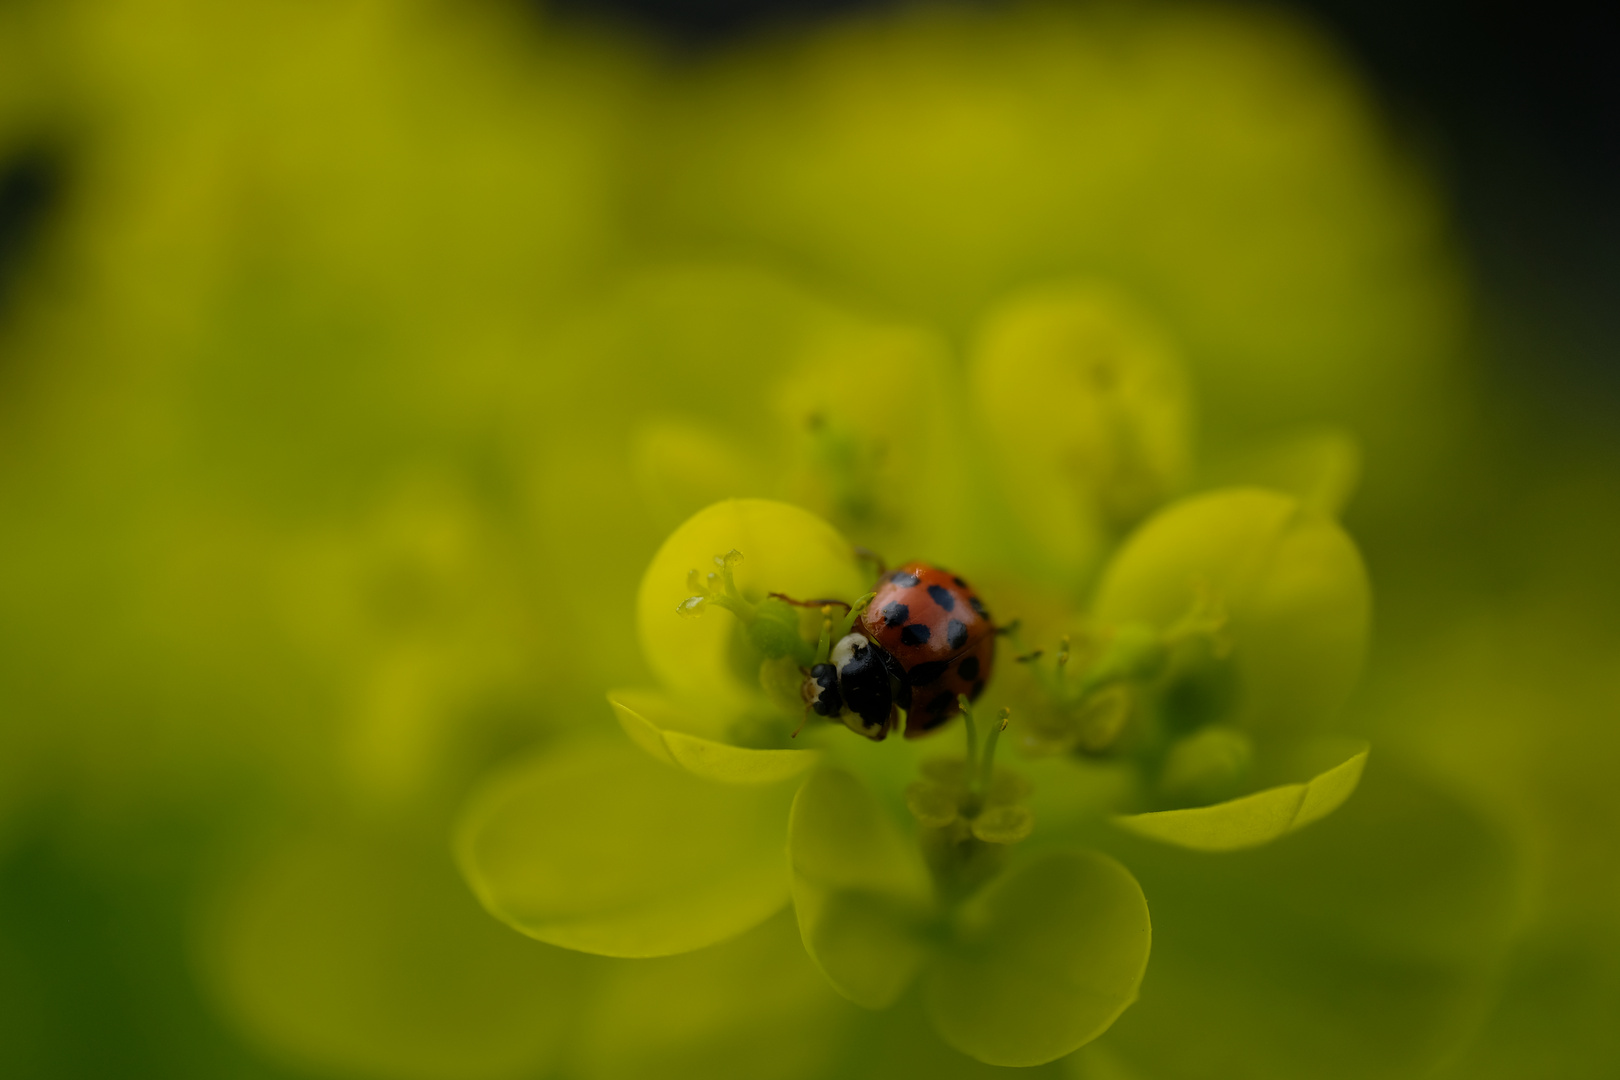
987	766
734	604
727	561
847	623
972	734
824	645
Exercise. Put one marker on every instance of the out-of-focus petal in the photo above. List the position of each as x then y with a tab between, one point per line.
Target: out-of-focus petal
1044	960
601	849
860	889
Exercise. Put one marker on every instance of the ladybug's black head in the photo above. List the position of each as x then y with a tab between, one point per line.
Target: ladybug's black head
821	691
854	687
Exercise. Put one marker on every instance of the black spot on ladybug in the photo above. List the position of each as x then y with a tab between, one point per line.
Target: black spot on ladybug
969	669
896	614
942	596
973	602
960	584
941	701
916	634
923	674
902	696
955	634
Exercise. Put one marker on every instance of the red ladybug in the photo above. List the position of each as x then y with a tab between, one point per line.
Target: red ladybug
938	639
924	639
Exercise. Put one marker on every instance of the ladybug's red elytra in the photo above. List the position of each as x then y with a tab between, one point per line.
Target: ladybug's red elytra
924	639
938	637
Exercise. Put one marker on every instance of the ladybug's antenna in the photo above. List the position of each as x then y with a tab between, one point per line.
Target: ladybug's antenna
786	599
867	555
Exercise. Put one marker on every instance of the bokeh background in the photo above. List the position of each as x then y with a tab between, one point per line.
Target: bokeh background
356	356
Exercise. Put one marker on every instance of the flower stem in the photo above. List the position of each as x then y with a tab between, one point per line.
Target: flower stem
987	766
972	734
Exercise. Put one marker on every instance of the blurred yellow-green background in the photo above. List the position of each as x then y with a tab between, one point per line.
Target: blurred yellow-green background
355	358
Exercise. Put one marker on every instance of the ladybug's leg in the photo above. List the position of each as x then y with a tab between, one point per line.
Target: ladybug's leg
867	555
1010	631
786	599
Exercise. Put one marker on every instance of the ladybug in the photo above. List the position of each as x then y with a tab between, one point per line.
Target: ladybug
924	639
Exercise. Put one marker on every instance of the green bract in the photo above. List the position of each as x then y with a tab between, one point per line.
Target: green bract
861	891
784	549
1087	412
1253	819
1226	633
662	730
601	849
1040	962
1290	584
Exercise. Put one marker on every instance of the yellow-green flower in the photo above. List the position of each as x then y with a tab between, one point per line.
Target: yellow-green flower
600	851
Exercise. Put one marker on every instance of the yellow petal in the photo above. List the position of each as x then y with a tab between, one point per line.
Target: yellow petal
1253	819
664	731
785	549
600	849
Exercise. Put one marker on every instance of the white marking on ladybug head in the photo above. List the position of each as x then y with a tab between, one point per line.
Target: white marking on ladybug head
847	646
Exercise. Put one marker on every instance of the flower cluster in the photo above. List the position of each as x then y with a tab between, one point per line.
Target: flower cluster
1163	665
